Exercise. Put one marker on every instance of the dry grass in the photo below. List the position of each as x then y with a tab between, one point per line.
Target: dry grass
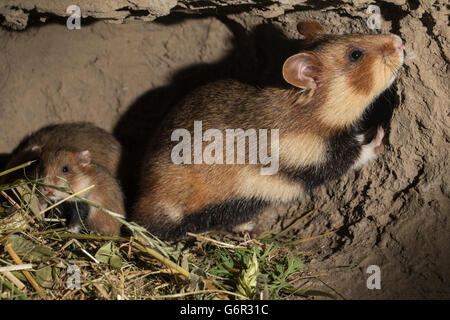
40	260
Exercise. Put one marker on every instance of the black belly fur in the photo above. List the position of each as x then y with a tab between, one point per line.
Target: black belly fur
342	152
216	217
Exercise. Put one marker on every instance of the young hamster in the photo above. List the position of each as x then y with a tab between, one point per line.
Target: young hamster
74	171
332	82
61	146
105	149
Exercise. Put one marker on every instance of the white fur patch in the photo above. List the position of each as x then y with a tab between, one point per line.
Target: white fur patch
367	154
74	229
359	138
173	212
245	227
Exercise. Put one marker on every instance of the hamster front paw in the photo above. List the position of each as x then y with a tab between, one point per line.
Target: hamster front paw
371	150
74	228
43	204
378	141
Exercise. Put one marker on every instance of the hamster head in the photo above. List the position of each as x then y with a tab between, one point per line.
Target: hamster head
64	172
346	72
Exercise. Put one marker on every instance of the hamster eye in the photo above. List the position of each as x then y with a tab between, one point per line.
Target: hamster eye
355	55
65	169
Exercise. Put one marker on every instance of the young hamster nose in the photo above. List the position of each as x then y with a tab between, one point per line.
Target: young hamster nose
49	190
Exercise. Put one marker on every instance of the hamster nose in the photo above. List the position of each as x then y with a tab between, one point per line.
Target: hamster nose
398	43
49	190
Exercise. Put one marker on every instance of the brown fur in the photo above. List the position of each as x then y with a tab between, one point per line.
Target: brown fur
306	117
105	149
106	193
352	86
56	146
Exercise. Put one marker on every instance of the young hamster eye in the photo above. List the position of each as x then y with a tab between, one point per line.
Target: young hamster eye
65	169
355	55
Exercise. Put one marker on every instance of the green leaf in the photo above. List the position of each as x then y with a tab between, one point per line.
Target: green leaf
248	278
109	254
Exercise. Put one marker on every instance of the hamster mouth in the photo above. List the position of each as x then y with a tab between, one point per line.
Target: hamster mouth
401	56
394	62
54	198
52	194
392	66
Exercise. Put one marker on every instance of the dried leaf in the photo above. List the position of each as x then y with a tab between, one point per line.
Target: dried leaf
30	199
44	277
29	250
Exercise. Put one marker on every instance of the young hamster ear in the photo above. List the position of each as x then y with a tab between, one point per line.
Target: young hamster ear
298	70
84	158
310	29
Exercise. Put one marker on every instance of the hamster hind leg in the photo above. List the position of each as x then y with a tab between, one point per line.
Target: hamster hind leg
102	222
262	222
219	217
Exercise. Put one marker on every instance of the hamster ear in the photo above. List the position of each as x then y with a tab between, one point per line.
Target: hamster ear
84	158
298	70
36	149
310	29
